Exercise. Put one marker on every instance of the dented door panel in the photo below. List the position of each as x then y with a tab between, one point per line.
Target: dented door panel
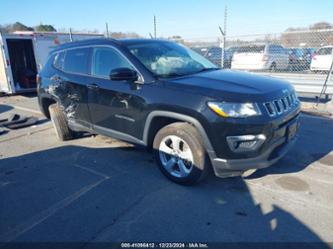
71	93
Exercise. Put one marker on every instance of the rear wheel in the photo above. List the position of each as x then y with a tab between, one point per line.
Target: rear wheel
180	154
272	68
60	124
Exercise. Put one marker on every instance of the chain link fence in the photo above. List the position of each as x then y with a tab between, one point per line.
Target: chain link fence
303	57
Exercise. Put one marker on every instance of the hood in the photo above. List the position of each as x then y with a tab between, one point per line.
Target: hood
231	85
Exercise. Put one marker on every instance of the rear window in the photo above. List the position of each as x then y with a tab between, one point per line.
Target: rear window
276	49
324	51
298	52
251	49
77	61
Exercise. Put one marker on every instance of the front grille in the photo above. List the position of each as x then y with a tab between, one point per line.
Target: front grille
279	106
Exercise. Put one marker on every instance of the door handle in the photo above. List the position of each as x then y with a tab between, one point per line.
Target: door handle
93	86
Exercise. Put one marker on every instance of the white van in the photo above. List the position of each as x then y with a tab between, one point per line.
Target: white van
260	57
322	59
22	55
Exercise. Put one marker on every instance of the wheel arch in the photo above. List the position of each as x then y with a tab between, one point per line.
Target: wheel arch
45	102
151	128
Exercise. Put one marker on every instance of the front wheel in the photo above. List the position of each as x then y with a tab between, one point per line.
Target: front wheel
180	154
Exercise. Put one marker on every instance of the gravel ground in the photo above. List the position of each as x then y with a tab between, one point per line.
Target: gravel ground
97	189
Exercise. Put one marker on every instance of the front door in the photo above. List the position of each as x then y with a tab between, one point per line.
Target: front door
115	106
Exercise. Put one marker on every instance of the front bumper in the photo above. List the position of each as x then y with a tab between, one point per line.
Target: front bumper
276	150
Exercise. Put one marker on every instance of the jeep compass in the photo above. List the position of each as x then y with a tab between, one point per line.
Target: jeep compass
165	96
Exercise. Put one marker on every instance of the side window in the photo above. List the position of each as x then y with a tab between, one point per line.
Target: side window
59	60
279	49
107	59
77	61
273	49
324	51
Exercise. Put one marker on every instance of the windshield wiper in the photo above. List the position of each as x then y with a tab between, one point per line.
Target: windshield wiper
170	75
206	69
184	74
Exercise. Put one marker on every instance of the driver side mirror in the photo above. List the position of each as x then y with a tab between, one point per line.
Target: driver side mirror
123	73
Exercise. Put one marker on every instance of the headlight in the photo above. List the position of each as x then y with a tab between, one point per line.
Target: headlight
235	110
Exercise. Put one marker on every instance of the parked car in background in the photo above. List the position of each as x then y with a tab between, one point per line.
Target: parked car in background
229	53
200	50
214	54
322	59
260	57
309	54
300	58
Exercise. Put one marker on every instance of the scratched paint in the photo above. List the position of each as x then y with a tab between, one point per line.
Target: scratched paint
68	98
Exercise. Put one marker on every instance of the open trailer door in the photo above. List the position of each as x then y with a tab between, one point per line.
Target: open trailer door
23	63
4	86
5	79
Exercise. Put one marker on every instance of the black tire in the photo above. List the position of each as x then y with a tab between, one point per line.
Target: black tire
190	135
272	68
60	124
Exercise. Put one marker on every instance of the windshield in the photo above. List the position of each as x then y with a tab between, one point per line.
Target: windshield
324	51
168	59
251	49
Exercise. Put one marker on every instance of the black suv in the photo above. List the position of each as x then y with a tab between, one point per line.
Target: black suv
165	96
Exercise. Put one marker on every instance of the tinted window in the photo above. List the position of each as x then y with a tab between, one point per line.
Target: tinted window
77	60
298	52
282	50
275	49
324	51
59	60
107	59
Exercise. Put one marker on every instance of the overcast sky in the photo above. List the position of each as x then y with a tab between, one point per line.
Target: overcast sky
188	18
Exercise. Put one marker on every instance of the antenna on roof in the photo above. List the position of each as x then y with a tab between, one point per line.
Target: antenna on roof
107	30
70	34
155	27
151	36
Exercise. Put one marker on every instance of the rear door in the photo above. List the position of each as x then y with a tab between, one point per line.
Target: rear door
69	84
116	107
280	56
285	57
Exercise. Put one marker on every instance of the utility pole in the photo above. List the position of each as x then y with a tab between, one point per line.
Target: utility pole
107	30
155	27
328	76
224	34
70	34
225	22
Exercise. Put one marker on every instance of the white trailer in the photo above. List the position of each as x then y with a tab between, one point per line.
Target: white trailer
23	54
